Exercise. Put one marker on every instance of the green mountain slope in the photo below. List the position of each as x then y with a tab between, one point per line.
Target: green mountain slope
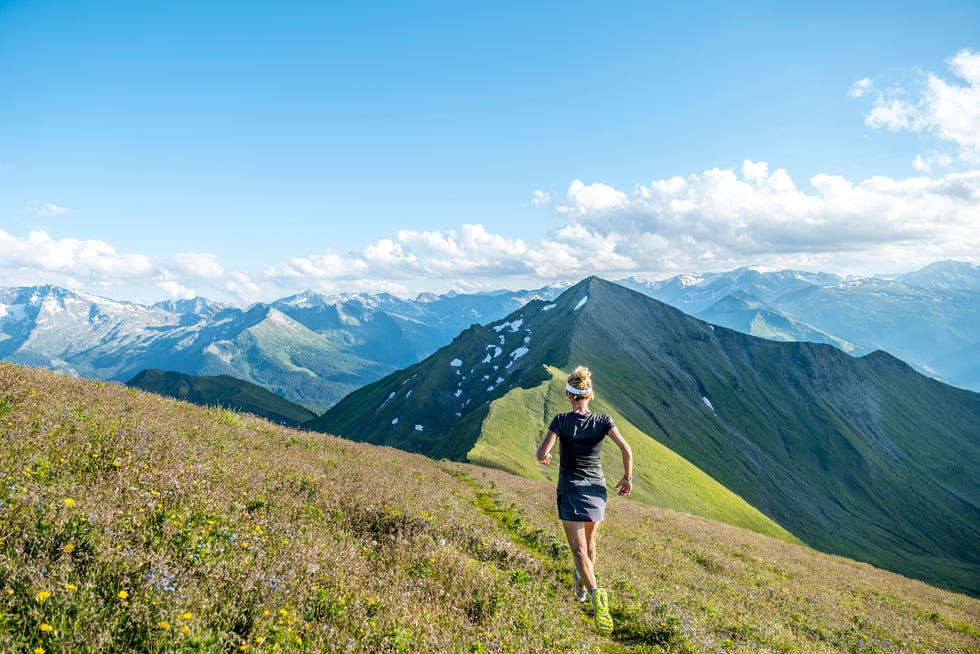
133	522
223	391
861	457
280	354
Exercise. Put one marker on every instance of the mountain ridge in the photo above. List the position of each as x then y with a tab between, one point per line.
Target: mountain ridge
803	432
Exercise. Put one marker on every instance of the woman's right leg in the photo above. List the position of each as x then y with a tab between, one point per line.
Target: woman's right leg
591	532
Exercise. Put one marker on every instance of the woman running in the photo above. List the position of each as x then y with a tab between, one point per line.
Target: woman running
582	485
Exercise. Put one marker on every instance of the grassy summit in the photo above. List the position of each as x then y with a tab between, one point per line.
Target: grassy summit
132	522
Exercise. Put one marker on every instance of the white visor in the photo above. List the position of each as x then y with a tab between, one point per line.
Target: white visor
577	391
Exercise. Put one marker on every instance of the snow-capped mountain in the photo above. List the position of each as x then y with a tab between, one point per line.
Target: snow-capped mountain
309	348
948	275
693	293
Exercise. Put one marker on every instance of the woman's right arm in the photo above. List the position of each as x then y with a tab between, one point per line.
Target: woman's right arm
544	450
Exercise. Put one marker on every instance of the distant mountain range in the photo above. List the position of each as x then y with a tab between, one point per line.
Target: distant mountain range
862	457
313	349
308	348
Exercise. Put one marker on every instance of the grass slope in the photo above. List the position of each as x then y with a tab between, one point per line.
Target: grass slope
224	391
133	522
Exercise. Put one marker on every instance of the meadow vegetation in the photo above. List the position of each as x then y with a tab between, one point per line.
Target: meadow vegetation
133	522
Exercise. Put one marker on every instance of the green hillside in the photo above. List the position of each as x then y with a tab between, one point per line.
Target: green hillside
223	391
856	456
134	522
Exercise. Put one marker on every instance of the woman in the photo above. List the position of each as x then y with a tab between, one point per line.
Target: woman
582	485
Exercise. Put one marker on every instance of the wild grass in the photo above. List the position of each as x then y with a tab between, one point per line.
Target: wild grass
131	522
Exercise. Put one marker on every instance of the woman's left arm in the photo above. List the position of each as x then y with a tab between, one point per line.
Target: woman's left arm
625	484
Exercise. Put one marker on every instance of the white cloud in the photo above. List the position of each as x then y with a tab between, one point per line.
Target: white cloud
582	199
200	265
81	263
860	87
81	258
48	209
175	290
541	199
948	111
241	286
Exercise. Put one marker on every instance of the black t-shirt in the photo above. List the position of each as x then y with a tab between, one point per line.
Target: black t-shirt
580	437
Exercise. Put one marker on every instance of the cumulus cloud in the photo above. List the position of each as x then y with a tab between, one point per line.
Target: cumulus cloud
717	218
175	290
594	198
86	263
948	111
201	265
83	258
731	218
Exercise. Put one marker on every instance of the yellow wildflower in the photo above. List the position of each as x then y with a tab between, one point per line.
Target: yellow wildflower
163	624
187	616
71	587
45	627
117	463
69	502
122	594
260	639
43	595
184	629
38	650
68	548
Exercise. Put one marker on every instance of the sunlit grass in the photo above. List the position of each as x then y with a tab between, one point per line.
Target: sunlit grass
130	522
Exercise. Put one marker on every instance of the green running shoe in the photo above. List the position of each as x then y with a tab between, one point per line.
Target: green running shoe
603	621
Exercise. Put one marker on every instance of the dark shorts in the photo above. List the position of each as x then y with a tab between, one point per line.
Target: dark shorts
582	507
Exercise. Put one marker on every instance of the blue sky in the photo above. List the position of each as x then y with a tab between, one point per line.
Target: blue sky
245	151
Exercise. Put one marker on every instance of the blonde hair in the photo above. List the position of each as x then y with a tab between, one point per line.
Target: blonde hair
581	379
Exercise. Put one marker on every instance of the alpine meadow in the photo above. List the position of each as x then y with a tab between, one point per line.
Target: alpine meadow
133	522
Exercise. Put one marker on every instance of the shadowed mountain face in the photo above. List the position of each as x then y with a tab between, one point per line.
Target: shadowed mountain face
224	391
858	456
